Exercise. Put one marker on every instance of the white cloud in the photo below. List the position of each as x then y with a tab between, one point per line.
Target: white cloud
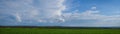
51	11
18	18
93	14
93	8
44	21
52	8
35	10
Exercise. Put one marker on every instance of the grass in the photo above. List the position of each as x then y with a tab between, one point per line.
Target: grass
57	31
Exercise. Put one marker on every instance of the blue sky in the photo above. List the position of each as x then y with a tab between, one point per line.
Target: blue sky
105	6
85	13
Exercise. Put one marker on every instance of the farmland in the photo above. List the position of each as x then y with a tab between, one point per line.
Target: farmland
57	31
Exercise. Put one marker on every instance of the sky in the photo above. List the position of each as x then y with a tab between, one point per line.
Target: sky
74	13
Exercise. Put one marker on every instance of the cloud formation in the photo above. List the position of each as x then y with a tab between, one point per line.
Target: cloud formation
18	18
51	11
36	10
93	14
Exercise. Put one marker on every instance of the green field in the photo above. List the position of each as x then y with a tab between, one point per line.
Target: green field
57	31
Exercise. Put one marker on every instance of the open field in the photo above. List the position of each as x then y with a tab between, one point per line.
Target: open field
57	31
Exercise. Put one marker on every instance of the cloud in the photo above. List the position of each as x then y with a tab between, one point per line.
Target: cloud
94	8
93	14
53	8
50	11
18	18
42	21
33	10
